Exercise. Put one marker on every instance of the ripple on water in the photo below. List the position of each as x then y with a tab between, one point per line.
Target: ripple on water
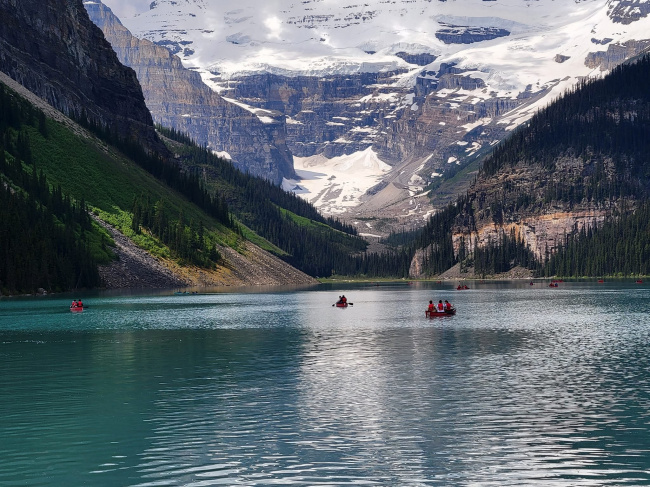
235	390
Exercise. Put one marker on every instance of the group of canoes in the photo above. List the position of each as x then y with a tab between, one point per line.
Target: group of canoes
442	309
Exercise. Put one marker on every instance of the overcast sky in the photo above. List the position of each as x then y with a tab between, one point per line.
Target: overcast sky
127	8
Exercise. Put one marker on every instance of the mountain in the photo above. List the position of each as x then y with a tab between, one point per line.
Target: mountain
429	86
567	193
91	194
177	97
65	60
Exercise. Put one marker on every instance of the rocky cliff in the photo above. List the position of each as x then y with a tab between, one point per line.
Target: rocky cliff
54	50
576	164
178	98
430	86
330	115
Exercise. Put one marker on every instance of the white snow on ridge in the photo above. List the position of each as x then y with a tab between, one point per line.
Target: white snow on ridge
346	36
321	38
337	184
263	115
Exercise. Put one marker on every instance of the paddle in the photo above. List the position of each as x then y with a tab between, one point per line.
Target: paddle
349	304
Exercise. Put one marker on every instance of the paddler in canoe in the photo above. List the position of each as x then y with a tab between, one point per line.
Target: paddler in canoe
442	309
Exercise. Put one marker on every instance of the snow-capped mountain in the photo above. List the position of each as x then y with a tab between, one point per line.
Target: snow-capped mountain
428	84
321	37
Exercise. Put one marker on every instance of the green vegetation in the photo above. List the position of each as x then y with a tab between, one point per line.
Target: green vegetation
314	244
620	247
603	124
165	207
82	171
47	240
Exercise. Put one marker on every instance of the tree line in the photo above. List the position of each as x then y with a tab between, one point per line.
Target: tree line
317	245
188	242
47	240
165	169
604	123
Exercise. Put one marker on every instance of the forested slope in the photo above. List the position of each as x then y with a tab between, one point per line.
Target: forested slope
308	241
589	150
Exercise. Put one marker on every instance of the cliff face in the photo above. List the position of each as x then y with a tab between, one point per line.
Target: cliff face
178	98
615	54
53	49
330	115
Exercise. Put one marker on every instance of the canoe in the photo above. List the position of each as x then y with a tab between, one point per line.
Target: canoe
76	309
433	314
341	305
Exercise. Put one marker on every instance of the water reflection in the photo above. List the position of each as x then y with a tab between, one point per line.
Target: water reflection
522	387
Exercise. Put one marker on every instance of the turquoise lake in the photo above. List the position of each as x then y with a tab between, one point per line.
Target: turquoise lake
526	385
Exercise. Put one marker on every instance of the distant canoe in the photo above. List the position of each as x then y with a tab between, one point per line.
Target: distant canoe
76	309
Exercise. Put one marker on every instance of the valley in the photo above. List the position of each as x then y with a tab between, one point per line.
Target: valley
430	89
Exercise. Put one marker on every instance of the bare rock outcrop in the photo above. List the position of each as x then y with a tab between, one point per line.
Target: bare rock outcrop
178	98
54	50
615	54
252	266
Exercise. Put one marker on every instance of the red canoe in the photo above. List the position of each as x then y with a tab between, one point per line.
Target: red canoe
433	314
76	309
341	305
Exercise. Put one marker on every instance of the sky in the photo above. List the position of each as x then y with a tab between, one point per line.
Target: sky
127	8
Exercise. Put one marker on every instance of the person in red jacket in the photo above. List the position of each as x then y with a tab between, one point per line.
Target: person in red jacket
441	307
432	307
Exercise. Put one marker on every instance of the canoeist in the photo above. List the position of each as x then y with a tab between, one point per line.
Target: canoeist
441	307
432	307
448	306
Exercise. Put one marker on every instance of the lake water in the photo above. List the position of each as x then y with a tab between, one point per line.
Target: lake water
526	385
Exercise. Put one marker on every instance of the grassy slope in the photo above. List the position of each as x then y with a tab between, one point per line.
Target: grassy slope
88	169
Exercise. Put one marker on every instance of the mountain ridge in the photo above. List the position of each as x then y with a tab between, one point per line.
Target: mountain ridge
57	167
77	77
426	120
178	98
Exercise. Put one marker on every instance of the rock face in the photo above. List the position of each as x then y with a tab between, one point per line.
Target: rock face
55	51
178	98
330	115
615	54
628	11
454	34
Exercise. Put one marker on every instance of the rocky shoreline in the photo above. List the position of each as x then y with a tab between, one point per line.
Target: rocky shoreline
252	266
135	268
